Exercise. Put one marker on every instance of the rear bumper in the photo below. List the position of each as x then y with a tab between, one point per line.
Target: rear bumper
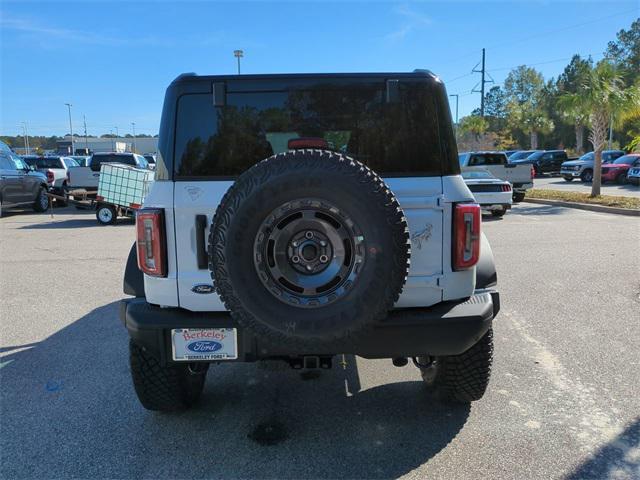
522	187
448	328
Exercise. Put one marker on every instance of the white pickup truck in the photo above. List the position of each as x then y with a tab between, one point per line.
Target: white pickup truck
86	178
520	176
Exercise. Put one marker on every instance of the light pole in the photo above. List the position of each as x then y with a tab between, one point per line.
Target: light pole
133	125
117	137
238	54
457	97
86	141
26	137
70	125
111	135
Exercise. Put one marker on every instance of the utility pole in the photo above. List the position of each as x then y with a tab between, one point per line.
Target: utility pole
483	81
238	54
457	97
70	126
86	141
133	124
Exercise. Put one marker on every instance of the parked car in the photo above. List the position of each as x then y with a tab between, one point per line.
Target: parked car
545	161
55	168
508	153
617	170
521	154
20	185
582	168
633	176
493	195
519	176
311	249
86	178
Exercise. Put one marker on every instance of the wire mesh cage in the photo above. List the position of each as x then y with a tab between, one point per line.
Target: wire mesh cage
123	185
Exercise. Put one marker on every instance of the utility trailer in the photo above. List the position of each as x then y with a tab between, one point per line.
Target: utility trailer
121	191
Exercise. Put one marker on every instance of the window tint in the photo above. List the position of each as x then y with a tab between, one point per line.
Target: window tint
98	160
392	138
48	162
5	162
487	159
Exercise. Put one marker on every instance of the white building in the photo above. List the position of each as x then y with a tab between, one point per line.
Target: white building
121	144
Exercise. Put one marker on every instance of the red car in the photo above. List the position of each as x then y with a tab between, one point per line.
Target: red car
617	170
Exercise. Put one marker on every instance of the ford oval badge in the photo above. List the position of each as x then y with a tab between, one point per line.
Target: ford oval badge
203	288
204	346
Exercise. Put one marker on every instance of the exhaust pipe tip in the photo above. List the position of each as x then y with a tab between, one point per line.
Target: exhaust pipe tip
400	361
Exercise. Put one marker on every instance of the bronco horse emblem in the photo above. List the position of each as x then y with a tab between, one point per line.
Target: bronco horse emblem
422	235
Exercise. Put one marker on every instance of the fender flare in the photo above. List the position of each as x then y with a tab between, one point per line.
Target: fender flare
486	275
133	283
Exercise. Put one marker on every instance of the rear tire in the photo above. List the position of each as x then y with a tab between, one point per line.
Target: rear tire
498	213
106	214
621	179
461	378
165	389
42	201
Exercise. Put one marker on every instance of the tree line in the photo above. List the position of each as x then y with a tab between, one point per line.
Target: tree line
529	112
38	144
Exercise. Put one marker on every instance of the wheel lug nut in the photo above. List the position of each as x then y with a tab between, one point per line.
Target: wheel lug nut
309	267
295	244
323	243
324	258
309	234
295	259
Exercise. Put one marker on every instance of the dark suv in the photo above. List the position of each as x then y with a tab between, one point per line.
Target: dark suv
20	185
545	161
298	217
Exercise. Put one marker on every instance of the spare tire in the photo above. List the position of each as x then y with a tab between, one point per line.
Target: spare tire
309	248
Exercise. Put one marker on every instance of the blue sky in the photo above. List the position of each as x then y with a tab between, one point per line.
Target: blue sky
113	60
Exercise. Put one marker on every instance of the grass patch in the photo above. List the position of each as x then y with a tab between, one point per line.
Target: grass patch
579	197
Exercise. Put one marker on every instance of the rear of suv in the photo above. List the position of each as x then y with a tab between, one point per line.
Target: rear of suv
298	217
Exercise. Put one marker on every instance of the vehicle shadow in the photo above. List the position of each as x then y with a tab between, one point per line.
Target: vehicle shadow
87	221
617	459
68	402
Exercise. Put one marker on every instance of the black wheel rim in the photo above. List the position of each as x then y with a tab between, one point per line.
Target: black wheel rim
44	200
308	253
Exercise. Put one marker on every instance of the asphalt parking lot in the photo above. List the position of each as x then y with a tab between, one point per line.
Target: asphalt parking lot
564	400
556	182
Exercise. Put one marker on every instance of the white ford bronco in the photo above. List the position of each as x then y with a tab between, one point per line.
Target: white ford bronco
298	217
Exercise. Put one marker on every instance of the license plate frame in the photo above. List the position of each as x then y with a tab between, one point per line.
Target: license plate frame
204	344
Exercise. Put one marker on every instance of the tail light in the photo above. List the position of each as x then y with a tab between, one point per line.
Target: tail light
533	172
466	235
151	242
50	177
506	188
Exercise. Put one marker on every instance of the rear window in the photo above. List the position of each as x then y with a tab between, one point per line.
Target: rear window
394	138
487	159
98	160
46	162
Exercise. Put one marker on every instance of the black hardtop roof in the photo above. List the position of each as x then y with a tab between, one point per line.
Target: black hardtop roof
193	77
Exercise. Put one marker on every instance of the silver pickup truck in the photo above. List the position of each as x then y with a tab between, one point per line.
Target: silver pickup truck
520	176
86	178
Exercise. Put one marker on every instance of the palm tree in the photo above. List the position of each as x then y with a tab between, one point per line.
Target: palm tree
604	96
574	111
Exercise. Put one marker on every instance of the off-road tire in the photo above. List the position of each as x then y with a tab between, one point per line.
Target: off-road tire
165	389
518	197
330	177
39	204
462	378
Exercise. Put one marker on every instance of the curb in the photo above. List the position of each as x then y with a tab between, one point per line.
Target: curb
586	206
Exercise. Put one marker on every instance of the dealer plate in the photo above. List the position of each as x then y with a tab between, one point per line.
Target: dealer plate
192	344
